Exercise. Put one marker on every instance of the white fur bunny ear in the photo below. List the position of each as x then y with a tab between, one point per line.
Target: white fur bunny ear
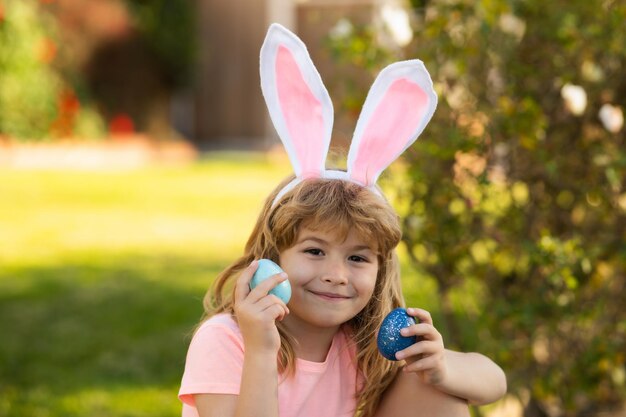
398	107
298	102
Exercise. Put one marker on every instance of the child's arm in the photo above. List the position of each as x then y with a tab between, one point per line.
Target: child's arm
258	395
256	313
471	376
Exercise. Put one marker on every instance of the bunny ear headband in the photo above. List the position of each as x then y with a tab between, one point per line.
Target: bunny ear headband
398	107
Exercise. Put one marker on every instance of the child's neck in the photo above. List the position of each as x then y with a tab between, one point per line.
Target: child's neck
313	343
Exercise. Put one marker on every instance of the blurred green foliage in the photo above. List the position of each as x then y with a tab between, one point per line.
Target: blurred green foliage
169	26
29	88
45	92
36	101
516	203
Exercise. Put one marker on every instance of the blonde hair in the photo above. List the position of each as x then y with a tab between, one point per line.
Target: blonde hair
337	206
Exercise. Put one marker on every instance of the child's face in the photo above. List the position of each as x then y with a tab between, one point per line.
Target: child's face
331	279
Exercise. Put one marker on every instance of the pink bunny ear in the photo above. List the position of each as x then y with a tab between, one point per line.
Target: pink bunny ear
398	107
298	102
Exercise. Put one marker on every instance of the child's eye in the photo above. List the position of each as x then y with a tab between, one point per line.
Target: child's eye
314	251
358	258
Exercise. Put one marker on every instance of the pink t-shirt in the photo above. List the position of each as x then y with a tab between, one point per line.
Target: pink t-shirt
215	362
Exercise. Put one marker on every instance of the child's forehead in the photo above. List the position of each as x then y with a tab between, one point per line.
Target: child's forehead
339	234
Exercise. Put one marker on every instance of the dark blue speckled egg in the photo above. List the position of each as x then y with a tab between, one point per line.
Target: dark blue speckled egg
389	339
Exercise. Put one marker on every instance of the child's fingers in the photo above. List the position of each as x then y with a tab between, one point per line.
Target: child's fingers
278	311
242	287
422	315
264	287
422	330
424	364
269	301
419	349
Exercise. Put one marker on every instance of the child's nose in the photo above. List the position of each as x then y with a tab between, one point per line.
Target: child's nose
336	273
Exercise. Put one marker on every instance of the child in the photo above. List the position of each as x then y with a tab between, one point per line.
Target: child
334	235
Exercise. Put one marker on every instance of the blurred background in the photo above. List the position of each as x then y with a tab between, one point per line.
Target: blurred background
135	152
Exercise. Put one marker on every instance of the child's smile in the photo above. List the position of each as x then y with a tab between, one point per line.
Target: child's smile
330	296
332	279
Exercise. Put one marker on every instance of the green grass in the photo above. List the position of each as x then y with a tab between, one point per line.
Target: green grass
102	276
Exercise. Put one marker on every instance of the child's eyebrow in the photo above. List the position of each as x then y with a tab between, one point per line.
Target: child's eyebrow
362	247
313	238
321	241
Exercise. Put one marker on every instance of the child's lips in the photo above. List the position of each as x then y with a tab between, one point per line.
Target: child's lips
329	296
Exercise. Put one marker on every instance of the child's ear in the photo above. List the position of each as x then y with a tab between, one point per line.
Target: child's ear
298	102
398	107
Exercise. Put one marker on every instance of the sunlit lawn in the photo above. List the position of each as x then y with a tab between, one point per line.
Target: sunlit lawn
102	276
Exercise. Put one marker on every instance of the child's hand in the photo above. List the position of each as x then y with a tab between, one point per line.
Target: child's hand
257	311
427	356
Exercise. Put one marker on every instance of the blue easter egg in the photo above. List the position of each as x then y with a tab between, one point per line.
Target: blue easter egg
389	339
265	270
